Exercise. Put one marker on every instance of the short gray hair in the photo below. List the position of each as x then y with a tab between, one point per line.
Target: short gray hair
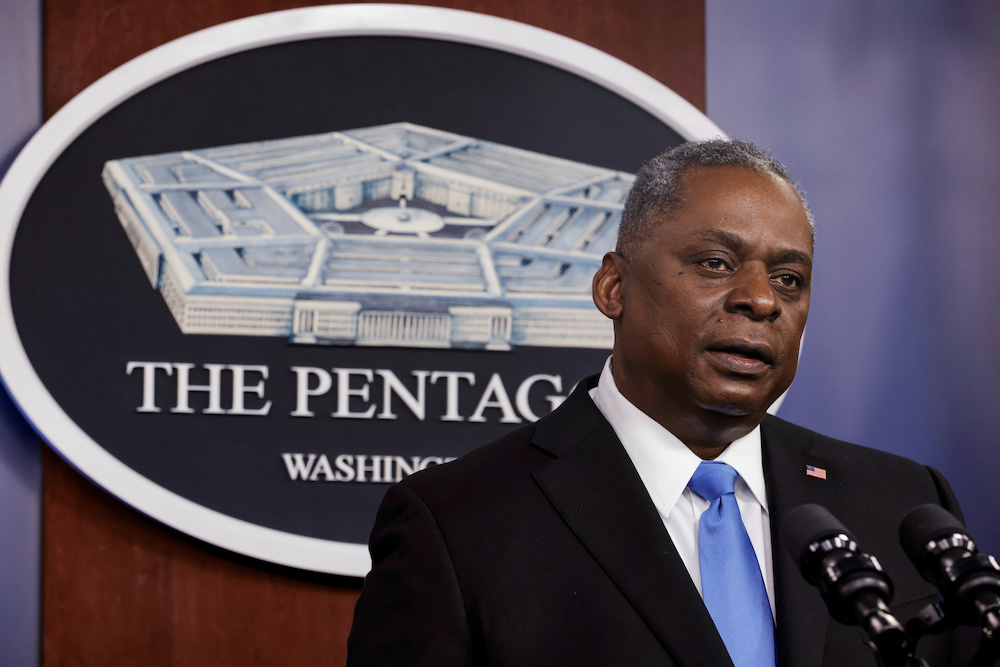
657	192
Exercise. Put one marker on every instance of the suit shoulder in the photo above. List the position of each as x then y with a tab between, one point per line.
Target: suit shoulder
501	462
511	459
825	446
854	468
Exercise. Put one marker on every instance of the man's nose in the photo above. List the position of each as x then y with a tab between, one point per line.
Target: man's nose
752	293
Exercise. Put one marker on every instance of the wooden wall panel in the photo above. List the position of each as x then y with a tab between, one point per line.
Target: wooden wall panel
118	587
121	589
85	39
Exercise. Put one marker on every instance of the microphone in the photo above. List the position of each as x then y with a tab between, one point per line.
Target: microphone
945	554
852	583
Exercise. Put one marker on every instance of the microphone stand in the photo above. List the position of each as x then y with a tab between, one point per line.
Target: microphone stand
933	620
892	643
989	615
987	655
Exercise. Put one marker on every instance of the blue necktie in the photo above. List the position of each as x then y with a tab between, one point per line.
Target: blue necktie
731	583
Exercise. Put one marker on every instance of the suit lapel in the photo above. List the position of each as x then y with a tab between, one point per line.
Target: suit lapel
802	615
596	490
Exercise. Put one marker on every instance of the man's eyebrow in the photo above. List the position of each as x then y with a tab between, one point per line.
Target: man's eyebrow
721	236
793	257
738	243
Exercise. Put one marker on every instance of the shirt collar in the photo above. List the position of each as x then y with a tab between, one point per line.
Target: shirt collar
663	462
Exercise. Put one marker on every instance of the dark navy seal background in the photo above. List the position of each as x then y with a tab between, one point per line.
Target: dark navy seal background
84	308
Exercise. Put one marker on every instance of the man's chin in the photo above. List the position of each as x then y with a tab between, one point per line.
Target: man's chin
738	399
733	411
738	409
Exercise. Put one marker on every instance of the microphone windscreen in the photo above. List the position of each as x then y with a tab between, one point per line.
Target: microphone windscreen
807	524
924	524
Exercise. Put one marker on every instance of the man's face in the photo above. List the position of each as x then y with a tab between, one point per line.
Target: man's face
709	312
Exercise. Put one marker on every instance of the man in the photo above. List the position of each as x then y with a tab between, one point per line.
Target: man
575	540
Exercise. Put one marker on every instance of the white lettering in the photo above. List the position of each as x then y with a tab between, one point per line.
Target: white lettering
355	397
451	410
357	468
149	369
214	389
404	468
523	404
392	385
298	467
344	393
322	467
374	468
500	399
302	391
556	401
432	461
240	389
345	468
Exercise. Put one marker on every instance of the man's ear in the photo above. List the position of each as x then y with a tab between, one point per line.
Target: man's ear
608	285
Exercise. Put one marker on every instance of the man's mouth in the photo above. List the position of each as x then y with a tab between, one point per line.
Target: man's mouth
742	356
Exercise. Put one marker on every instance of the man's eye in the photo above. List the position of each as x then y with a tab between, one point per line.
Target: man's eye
788	280
715	264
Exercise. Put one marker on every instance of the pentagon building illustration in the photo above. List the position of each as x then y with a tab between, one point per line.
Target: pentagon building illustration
396	235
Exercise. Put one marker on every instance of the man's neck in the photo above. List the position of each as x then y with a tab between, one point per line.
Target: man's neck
705	432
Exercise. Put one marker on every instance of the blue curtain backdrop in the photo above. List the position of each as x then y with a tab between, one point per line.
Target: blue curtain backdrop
887	113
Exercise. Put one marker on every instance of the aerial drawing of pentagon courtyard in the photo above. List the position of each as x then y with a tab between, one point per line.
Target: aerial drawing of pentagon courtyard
396	235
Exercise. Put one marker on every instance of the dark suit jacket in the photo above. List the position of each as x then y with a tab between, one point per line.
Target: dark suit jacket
544	548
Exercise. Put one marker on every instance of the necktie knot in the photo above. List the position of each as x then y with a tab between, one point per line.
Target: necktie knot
713	479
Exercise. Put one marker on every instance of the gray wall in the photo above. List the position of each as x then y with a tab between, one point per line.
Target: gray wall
20	448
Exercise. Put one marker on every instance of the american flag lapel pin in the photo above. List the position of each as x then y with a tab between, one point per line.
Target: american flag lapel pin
813	471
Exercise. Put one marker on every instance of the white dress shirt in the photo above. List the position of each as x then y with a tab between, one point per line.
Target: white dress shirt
665	466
